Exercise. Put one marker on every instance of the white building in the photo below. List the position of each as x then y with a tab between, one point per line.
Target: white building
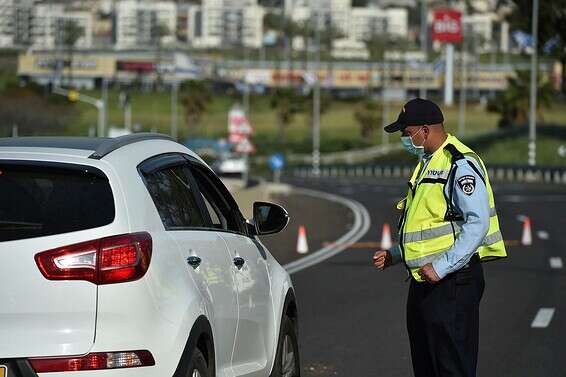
353	23
15	22
48	26
142	23
367	21
218	23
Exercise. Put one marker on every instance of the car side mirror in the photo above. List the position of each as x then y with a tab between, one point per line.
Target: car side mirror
269	218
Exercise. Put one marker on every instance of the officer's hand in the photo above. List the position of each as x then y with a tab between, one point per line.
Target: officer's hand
382	259
428	274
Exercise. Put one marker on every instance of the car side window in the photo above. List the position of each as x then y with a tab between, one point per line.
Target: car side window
221	210
171	191
216	217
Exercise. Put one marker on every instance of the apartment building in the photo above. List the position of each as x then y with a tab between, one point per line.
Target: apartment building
49	26
16	22
144	23
353	23
217	23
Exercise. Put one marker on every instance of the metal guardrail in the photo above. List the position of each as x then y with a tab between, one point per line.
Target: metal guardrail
517	174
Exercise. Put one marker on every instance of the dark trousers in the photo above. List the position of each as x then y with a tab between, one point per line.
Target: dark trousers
443	323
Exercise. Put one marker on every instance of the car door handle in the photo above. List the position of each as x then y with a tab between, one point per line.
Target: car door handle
239	262
194	261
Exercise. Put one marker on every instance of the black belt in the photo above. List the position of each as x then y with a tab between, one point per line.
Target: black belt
475	259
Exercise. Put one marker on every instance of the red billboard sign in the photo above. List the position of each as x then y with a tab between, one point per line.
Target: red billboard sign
447	26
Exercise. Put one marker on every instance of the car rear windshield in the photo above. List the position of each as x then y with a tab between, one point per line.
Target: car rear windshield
42	199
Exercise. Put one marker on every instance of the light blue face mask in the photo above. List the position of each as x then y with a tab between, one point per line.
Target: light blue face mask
417	150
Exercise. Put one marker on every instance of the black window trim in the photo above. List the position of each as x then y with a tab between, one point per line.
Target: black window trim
169	160
163	160
225	195
59	165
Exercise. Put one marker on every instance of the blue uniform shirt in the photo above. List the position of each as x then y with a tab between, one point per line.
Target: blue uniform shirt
471	200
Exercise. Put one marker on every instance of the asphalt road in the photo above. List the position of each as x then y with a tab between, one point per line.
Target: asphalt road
352	317
307	211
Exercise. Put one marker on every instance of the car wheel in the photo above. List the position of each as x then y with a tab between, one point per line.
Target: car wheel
287	357
198	366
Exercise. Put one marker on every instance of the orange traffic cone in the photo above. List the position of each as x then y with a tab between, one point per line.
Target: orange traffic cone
386	237
302	245
527	237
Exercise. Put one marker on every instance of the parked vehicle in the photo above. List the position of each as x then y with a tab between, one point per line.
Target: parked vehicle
129	257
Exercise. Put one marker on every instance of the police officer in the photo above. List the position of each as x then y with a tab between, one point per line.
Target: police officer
448	225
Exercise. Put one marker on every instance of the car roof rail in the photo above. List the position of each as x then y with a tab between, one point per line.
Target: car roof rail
115	143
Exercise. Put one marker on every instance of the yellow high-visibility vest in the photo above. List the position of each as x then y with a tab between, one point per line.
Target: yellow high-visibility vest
428	226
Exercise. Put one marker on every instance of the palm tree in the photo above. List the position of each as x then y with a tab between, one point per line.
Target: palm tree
513	103
331	33
160	30
287	29
375	45
287	103
195	97
72	32
369	116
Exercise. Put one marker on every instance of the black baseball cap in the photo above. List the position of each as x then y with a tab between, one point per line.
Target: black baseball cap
416	112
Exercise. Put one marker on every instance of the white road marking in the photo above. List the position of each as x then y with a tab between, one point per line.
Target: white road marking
361	225
556	262
543	234
543	318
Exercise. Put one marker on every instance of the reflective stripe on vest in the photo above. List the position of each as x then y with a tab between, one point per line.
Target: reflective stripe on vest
425	235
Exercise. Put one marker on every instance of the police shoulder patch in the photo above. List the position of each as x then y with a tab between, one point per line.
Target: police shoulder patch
467	184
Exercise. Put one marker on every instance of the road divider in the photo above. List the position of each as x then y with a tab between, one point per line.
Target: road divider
359	228
502	173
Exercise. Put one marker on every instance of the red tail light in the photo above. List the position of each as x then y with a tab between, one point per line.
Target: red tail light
109	260
93	361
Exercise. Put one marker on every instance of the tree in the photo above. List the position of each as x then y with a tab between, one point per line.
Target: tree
327	39
513	103
287	103
160	30
375	45
552	16
195	97
369	116
72	32
287	30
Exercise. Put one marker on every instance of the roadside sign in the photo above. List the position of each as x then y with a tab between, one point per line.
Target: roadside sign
562	150
245	146
447	26
276	162
238	122
236	138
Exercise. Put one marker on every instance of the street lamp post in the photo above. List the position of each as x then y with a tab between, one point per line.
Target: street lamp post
533	99
174	100
100	104
424	44
316	101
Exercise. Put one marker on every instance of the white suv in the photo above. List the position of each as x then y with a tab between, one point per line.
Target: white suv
128	257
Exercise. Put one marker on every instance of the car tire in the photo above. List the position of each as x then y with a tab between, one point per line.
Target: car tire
198	366
287	357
